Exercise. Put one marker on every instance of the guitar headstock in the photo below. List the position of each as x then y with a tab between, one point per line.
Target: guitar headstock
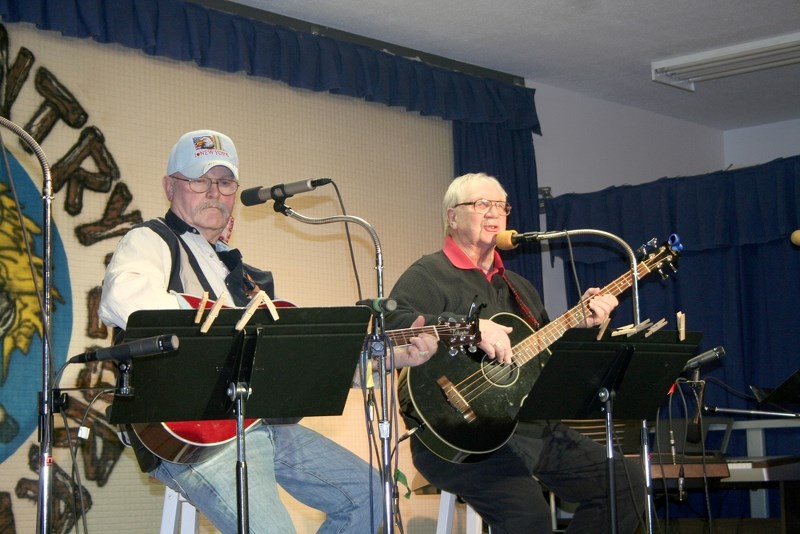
458	333
665	256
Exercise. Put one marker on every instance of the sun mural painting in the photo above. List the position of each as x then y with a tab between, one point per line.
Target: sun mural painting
21	321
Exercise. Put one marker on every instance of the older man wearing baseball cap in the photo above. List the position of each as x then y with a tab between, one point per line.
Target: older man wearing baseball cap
159	260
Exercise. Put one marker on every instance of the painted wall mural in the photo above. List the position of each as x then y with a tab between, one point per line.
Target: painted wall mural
106	116
88	165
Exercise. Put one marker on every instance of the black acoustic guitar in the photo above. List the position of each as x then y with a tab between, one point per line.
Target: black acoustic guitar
465	405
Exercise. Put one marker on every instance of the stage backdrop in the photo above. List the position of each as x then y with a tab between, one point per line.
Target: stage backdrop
106	117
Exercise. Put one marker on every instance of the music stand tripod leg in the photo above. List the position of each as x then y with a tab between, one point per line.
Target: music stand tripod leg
238	392
607	398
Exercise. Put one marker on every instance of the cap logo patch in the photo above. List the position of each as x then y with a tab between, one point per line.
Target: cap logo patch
208	145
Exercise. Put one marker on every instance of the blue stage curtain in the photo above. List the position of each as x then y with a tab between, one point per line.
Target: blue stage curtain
738	276
507	155
189	32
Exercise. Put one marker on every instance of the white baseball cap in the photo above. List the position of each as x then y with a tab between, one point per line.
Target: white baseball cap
197	152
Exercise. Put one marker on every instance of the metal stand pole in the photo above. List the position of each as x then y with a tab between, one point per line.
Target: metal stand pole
648	479
384	423
607	398
45	400
239	392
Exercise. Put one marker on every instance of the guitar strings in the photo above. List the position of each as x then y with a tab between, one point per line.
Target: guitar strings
486	377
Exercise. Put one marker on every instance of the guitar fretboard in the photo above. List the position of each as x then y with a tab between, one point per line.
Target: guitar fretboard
528	349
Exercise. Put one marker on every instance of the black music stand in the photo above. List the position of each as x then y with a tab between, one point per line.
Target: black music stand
788	392
300	365
626	377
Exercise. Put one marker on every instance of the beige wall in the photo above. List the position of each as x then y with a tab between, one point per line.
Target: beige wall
390	166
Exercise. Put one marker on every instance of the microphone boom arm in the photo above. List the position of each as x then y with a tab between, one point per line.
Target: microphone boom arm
541	236
289	212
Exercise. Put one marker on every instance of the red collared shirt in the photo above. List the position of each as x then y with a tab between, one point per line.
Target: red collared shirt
460	260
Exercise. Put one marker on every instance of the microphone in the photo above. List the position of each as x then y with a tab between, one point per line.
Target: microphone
694	434
127	351
510	239
280	192
702	359
507	240
379	305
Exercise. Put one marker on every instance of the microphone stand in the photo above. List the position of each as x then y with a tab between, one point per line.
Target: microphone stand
45	402
378	336
540	236
734	411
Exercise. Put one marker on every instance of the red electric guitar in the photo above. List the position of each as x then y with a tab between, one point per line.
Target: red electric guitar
196	441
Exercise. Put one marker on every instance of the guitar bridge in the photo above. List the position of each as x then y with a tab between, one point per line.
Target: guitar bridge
455	399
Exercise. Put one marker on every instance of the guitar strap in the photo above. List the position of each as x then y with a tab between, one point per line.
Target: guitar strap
526	312
243	280
161	227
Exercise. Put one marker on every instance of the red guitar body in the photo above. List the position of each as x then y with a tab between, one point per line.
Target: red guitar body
192	441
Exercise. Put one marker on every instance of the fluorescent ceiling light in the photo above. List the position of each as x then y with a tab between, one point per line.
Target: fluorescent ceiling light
684	71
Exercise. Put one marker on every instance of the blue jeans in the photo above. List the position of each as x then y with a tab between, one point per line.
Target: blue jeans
310	467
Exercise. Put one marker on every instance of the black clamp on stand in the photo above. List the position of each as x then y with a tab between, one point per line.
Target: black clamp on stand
213	375
623	377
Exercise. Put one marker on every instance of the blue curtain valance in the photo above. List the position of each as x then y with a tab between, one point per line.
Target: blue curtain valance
231	43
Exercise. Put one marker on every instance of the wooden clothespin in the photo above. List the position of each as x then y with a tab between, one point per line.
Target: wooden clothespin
681	326
273	311
655	328
623	330
201	307
212	315
603	327
639	327
255	302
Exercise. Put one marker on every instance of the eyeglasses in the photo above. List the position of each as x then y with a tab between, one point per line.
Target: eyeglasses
226	186
482	205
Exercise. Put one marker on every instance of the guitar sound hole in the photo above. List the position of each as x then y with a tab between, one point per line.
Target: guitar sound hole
499	375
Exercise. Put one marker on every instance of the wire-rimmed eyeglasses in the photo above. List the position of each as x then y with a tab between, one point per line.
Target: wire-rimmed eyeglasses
226	186
482	205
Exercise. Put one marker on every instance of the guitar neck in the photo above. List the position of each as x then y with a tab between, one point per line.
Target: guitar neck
552	331
403	336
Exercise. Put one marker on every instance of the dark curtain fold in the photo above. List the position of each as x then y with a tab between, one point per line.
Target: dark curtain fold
495	119
738	276
507	155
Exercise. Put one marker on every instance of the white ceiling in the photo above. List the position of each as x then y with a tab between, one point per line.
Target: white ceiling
599	48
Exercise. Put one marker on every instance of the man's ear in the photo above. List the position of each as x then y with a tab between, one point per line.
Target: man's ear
451	217
169	186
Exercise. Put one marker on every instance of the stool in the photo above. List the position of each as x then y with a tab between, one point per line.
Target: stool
447	511
179	516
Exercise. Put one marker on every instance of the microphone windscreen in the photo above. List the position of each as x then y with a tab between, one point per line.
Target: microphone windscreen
254	196
504	240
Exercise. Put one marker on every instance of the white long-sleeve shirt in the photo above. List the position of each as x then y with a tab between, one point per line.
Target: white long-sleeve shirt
137	278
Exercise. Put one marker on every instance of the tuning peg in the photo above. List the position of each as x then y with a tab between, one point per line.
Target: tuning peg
649	245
